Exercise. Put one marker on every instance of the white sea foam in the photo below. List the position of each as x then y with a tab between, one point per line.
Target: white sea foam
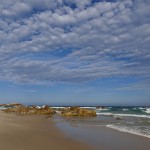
102	109
105	114
133	115
89	107
141	108
147	110
58	107
38	107
128	130
2	108
124	115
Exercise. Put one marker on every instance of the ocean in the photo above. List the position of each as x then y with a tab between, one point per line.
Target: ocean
115	128
134	120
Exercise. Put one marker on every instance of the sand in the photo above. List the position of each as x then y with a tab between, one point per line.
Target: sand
34	133
38	133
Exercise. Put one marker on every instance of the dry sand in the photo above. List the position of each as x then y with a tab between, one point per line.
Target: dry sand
33	133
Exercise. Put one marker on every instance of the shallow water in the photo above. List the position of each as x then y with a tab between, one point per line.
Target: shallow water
93	131
135	120
113	128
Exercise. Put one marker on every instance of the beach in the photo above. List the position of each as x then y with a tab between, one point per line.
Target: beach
75	75
34	133
30	132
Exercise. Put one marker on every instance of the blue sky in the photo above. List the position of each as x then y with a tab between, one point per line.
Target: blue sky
73	52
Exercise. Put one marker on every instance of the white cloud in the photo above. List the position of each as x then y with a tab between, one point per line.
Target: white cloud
73	41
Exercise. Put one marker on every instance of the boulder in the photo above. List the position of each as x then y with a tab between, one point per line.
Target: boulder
77	111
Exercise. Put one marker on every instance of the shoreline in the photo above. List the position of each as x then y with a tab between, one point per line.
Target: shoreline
102	137
34	133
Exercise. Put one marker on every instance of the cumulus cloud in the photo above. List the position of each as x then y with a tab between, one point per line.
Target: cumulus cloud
73	41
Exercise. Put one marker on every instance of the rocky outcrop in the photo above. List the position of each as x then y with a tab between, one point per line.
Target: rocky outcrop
29	110
10	105
46	110
77	111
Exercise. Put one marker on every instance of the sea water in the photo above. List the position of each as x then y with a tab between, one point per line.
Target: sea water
106	130
134	120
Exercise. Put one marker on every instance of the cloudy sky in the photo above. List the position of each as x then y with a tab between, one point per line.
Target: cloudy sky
75	52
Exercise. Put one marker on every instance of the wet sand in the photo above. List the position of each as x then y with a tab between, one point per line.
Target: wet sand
34	133
103	138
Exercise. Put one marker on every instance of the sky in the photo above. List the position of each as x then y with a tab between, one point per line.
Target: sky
73	52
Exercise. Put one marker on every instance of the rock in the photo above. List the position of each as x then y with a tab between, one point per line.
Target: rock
86	112
10	105
29	110
77	111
